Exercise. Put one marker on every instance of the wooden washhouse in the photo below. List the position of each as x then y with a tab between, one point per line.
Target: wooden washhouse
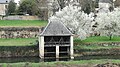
56	41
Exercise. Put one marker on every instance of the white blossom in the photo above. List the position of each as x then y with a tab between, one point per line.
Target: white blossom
109	23
76	20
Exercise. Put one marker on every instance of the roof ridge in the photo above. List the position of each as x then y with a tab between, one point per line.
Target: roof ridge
46	27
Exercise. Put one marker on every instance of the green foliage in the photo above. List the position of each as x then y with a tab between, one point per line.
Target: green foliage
27	7
11	8
22	23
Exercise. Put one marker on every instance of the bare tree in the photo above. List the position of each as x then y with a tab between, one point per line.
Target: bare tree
88	5
42	8
117	3
63	3
49	7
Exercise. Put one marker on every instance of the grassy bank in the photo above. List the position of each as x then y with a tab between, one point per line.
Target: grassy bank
31	41
94	43
20	23
98	46
81	63
18	42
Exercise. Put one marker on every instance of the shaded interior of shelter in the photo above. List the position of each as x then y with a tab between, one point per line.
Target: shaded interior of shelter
50	46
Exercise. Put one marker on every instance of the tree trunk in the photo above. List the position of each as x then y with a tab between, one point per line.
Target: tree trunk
110	36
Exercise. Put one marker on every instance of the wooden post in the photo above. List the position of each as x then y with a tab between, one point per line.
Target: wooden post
71	47
57	51
41	47
68	51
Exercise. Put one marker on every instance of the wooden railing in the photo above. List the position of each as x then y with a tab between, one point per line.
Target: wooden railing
57	43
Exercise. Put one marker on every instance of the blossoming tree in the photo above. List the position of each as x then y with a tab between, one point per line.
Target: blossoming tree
109	23
75	19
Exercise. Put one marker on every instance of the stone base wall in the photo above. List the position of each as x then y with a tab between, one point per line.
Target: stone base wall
103	44
19	51
19	32
99	52
18	17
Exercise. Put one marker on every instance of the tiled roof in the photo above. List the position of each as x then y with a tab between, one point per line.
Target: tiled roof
56	28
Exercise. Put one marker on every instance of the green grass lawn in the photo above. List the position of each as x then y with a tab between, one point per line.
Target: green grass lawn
98	39
20	23
81	63
18	42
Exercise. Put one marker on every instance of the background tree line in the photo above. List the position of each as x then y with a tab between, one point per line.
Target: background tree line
34	7
40	7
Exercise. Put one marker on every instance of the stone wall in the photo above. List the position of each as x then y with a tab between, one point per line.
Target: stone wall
20	17
19	51
105	44
19	32
98	52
